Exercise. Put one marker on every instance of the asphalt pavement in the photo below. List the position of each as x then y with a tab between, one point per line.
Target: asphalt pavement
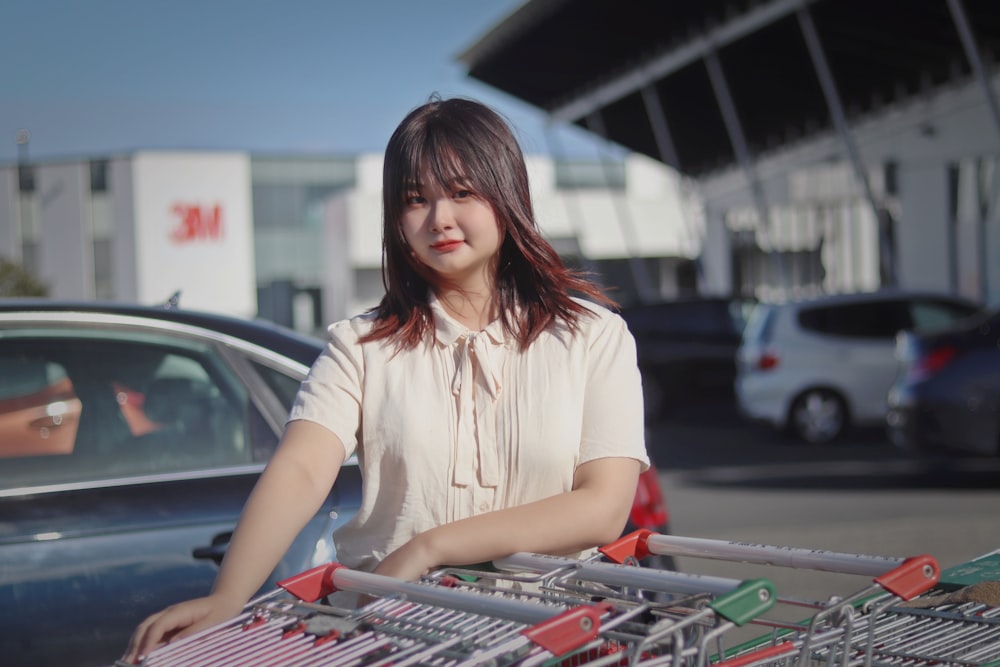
709	444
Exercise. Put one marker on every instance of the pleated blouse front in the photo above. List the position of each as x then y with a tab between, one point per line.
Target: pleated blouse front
468	423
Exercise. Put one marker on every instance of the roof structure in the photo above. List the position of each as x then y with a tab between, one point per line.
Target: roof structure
706	85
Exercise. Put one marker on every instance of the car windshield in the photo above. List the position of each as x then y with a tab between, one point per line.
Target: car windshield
759	324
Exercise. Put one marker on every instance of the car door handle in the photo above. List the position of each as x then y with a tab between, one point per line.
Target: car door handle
216	551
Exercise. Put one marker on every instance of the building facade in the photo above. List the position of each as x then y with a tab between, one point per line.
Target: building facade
931	221
297	239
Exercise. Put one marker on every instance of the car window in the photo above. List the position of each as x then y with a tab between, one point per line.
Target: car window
760	324
283	386
870	319
933	314
39	410
82	406
739	313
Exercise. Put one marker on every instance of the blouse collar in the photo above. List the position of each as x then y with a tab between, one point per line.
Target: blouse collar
447	329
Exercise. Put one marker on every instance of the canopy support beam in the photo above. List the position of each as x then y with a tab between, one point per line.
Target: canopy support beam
835	106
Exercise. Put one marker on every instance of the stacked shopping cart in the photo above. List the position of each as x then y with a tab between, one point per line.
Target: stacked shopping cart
544	610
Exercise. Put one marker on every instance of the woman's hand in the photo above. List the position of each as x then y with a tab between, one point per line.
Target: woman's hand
178	621
410	562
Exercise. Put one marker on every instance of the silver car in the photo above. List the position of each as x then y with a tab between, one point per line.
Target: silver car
816	367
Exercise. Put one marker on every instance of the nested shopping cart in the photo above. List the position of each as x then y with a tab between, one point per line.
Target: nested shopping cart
563	616
873	626
544	610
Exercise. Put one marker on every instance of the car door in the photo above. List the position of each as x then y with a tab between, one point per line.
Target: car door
125	458
859	348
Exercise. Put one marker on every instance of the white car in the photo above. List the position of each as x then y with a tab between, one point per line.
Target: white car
815	367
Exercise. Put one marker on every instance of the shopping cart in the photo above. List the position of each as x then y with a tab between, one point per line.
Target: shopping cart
544	610
561	618
869	627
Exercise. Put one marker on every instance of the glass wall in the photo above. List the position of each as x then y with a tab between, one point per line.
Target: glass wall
974	231
101	230
805	249
289	195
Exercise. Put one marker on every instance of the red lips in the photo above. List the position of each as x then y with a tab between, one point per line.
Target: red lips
447	246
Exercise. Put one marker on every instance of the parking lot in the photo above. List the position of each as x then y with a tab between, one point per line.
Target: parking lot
724	479
709	444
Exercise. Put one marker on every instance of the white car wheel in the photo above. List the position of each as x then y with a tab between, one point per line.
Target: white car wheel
818	416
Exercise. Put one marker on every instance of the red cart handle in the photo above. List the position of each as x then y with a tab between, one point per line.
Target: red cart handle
313	584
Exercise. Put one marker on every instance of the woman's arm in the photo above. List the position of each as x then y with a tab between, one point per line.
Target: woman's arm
592	514
289	492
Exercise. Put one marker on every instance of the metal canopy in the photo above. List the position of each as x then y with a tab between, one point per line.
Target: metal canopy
622	58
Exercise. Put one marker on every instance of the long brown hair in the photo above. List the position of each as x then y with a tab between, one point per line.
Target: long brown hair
464	140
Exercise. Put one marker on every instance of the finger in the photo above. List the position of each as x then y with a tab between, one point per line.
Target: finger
160	630
137	639
195	628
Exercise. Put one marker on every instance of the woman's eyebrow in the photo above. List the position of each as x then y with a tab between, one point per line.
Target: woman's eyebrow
459	180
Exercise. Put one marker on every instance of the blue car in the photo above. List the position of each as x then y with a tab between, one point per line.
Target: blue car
130	437
946	397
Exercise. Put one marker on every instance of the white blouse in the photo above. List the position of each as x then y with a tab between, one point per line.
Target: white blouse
468	423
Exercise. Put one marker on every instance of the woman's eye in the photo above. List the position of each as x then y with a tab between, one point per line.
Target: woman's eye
462	194
413	200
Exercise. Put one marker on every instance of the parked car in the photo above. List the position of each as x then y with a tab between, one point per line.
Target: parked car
130	438
946	397
815	367
686	349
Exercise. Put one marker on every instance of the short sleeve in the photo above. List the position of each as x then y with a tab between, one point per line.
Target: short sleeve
613	424
331	393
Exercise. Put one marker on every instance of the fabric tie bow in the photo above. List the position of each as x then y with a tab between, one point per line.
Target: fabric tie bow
477	386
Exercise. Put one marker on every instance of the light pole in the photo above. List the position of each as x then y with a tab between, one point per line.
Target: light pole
22	139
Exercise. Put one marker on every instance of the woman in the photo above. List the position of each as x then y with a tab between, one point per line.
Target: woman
490	409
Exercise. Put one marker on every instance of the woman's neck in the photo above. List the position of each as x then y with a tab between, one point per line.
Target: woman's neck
474	310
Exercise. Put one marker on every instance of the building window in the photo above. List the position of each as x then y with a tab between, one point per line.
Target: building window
102	235
99	176
598	174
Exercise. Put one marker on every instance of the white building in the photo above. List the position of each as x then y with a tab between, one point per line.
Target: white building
838	146
297	239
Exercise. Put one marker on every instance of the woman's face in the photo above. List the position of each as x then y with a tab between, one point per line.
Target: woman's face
453	232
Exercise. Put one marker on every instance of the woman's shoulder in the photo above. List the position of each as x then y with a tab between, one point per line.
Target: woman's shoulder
351	328
598	319
596	313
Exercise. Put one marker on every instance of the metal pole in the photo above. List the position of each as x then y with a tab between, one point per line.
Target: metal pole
573	211
665	146
836	109
972	53
640	275
979	69
658	123
735	130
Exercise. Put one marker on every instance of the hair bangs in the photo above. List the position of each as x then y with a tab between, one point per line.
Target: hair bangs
448	158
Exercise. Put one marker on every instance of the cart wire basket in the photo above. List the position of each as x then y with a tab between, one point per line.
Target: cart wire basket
561	618
873	626
533	609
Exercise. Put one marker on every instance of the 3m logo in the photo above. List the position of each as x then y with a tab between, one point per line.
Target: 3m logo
196	223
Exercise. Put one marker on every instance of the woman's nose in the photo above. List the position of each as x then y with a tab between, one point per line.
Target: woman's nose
442	217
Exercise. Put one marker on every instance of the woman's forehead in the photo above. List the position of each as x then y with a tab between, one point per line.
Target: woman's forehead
436	172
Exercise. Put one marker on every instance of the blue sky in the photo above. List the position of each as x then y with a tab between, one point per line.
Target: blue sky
90	77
